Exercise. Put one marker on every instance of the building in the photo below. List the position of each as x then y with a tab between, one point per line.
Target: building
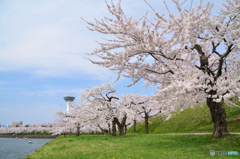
17	123
69	99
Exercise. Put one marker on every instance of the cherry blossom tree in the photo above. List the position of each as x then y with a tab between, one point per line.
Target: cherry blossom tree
126	103
102	99
78	116
110	107
46	124
97	119
193	55
146	107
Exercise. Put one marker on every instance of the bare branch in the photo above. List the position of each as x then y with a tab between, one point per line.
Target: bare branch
150	6
219	73
170	71
214	49
191	6
183	2
222	35
166	6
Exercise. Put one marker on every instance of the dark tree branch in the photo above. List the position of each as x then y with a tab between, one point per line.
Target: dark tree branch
222	35
213	63
110	98
170	71
208	69
219	73
124	120
214	49
149	111
117	121
153	56
199	49
161	54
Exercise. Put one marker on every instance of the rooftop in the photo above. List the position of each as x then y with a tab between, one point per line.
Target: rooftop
69	98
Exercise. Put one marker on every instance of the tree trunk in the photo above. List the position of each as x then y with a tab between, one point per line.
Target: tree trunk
134	125
218	117
77	134
125	129
101	128
121	125
78	129
109	129
146	123
113	128
120	129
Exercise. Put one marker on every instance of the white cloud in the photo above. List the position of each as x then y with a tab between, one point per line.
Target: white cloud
53	92
53	45
48	38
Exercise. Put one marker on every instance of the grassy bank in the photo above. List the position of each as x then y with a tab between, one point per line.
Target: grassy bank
155	145
197	119
137	146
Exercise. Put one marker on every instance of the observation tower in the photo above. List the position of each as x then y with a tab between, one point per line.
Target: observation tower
69	99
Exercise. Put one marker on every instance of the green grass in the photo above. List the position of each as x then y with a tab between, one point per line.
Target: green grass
156	145
190	120
137	146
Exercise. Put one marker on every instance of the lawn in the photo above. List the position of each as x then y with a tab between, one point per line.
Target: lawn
155	145
137	146
196	119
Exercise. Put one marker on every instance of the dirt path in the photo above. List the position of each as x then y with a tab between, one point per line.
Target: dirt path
205	133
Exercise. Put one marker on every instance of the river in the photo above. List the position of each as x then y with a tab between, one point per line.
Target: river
19	148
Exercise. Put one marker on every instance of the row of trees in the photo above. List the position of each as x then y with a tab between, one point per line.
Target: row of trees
55	128
101	107
31	129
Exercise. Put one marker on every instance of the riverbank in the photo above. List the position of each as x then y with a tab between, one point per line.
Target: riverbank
29	136
136	145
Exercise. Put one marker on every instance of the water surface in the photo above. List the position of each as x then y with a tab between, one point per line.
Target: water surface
19	148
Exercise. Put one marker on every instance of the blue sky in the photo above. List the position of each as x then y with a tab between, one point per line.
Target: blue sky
42	45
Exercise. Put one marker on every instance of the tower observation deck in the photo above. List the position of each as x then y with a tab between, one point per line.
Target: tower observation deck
69	99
